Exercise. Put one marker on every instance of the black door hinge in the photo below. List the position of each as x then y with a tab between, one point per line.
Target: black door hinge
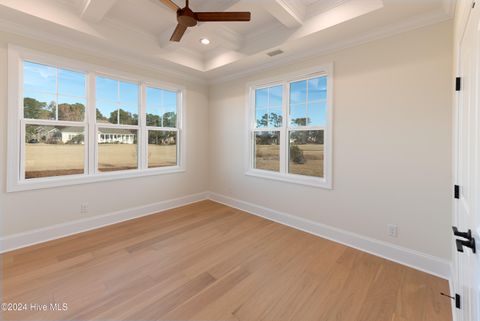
456	192
458	84
458	304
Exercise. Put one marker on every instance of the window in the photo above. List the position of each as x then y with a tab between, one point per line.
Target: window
72	123
290	128
53	123
162	127
117	110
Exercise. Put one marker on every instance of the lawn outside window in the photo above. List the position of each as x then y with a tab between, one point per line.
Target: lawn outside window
72	123
290	126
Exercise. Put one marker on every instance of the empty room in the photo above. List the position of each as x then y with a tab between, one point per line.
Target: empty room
240	160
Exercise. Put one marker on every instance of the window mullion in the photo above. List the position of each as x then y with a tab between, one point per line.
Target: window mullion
56	94
284	131
143	131
91	127
22	148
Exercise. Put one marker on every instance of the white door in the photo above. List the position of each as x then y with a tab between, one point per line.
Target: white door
466	269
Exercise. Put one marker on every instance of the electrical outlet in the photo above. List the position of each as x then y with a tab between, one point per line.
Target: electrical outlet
84	208
392	230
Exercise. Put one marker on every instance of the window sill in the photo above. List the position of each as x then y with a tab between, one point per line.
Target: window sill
291	178
49	182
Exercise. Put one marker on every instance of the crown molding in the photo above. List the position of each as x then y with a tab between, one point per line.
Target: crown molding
165	67
323	6
378	33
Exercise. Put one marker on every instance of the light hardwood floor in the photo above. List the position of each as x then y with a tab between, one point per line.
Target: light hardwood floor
206	261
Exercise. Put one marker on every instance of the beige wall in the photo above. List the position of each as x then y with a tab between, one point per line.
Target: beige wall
392	142
25	211
392	147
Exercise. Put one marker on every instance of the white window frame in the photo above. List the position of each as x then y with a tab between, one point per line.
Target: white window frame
16	137
283	175
164	129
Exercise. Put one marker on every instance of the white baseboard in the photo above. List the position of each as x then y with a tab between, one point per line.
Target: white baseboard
417	260
41	235
414	259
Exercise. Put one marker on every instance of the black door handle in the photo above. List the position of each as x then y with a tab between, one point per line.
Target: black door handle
470	243
467	235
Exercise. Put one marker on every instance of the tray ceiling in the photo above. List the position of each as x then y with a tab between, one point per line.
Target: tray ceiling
140	29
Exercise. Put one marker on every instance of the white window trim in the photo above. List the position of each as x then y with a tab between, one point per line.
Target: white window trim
325	182
15	146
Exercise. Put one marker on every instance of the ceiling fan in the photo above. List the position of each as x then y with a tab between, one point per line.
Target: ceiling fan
187	18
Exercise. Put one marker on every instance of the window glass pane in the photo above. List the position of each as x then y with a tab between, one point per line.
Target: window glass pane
306	152
106	89
161	108
169	99
261	97
267	151
71	108
275	117
53	151
153	118
169	108
170	119
154	98
128	112
39	78
262	118
71	83
268	107
298	92
275	96
39	106
298	115
162	148
107	100
317	114
117	149
317	89
107	112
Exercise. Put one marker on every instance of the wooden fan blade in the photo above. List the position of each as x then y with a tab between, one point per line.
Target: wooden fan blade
178	33
170	4
223	16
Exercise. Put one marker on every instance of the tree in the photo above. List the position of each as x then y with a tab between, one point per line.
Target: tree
71	112
35	109
154	120
100	116
275	120
263	122
124	117
170	119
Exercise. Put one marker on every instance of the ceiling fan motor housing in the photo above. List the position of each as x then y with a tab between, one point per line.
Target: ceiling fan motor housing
186	17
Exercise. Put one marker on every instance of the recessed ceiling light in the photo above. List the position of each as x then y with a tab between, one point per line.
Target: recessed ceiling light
204	41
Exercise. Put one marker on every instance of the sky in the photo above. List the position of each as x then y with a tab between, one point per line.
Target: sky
308	99
40	82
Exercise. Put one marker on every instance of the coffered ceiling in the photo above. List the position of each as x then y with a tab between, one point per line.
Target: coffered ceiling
139	30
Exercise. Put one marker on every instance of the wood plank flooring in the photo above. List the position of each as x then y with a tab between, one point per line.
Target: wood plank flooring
206	261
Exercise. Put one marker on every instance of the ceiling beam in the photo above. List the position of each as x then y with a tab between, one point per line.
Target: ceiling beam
95	10
219	34
290	13
223	5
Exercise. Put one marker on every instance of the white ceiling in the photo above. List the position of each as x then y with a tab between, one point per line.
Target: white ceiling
139	30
